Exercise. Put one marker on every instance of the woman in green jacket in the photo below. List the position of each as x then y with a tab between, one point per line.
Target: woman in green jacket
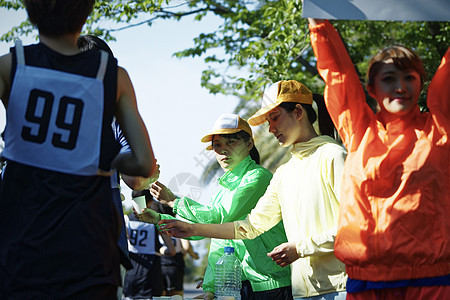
240	188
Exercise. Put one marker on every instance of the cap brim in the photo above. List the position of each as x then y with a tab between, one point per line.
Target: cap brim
208	138
261	115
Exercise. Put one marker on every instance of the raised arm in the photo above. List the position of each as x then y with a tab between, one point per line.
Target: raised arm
344	94
438	97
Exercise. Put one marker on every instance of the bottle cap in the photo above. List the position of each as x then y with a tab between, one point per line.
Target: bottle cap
228	250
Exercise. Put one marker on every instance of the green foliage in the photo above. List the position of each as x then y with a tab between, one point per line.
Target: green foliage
260	41
12	4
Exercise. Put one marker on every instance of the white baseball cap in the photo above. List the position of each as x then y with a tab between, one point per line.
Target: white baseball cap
227	124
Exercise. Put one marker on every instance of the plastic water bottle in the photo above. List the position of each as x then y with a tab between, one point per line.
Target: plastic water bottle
227	275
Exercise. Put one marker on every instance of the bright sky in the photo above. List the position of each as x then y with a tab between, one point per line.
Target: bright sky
176	109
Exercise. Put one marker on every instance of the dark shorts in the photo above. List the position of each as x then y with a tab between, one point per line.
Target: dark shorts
172	279
145	279
173	274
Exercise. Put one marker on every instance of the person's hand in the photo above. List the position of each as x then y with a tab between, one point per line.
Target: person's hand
284	254
147	215
199	281
194	255
314	22
162	193
176	228
208	296
205	295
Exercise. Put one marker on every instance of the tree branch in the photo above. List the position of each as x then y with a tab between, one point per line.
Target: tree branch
162	14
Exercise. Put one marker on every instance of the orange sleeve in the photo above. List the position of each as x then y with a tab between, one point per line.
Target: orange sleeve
344	95
438	97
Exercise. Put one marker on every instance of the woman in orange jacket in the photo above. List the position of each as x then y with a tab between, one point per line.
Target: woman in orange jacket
394	227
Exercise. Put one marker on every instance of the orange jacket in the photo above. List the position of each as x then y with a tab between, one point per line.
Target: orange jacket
394	219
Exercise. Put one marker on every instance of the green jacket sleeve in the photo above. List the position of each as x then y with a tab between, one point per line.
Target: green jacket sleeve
227	206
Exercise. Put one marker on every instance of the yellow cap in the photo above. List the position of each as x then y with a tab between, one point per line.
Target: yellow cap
277	93
227	124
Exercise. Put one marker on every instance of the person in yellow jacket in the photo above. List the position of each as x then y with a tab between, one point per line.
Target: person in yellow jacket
304	193
394	227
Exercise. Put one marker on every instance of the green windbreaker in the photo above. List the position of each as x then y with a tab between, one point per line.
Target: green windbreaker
239	191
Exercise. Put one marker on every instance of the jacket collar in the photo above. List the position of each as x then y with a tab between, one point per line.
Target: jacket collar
232	179
398	125
301	150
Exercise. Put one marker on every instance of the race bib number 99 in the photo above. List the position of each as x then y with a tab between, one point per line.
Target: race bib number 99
54	120
68	117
